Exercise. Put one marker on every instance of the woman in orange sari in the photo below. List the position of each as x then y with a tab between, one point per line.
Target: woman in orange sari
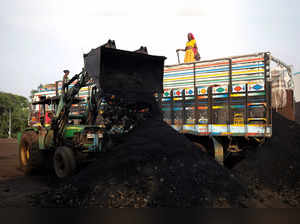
191	50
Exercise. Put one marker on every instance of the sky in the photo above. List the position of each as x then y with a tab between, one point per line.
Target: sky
39	39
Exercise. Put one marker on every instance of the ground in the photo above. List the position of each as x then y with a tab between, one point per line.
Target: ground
15	188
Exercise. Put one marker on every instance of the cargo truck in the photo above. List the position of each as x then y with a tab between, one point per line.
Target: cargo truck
222	102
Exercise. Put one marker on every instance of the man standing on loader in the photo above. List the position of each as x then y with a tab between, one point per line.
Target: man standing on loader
65	79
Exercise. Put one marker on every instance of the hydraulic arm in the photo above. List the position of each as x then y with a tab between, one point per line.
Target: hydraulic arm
61	118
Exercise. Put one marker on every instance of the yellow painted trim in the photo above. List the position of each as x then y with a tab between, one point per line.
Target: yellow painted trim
257	125
189	125
73	128
218	107
237	95
177	98
226	133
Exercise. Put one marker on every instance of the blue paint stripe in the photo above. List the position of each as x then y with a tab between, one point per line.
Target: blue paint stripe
256	100
220	96
216	133
177	108
179	73
256	106
215	104
237	106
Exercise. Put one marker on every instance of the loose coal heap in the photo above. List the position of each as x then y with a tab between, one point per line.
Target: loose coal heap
275	166
154	167
157	167
297	109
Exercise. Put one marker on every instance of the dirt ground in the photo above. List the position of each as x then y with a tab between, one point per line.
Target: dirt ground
165	174
15	189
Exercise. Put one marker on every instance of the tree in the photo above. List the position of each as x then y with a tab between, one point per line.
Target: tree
20	110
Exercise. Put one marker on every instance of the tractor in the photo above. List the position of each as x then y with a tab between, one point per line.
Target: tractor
124	88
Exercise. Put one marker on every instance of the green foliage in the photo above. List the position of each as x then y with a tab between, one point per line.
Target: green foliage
19	106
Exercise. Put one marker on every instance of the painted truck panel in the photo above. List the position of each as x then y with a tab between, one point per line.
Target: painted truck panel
222	97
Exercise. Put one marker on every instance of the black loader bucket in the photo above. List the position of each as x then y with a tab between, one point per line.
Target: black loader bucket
131	75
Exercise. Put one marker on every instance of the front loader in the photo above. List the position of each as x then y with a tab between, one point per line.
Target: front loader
124	88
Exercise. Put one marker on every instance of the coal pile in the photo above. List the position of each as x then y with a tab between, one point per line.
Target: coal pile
154	167
275	166
297	114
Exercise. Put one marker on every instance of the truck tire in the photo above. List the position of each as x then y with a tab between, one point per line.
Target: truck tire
30	158
64	162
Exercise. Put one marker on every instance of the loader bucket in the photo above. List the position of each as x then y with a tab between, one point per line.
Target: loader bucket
132	75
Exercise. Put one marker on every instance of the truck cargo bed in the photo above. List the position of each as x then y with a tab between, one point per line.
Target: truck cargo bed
222	97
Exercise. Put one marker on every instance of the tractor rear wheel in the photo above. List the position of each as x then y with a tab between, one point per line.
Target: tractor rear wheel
64	162
30	158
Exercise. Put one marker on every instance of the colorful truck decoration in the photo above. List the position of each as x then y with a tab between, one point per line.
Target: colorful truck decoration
207	98
228	97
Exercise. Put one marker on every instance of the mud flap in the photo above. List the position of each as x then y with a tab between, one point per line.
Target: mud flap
218	151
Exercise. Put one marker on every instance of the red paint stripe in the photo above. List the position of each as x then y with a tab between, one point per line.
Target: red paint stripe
204	66
178	69
204	133
252	134
248	60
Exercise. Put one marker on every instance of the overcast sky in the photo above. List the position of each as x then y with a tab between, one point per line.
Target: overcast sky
40	38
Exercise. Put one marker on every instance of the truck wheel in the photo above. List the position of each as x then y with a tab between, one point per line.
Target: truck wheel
64	162
30	158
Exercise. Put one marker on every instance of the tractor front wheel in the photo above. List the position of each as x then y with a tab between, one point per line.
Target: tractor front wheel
64	162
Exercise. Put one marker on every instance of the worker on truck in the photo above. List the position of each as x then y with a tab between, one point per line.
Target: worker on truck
191	50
